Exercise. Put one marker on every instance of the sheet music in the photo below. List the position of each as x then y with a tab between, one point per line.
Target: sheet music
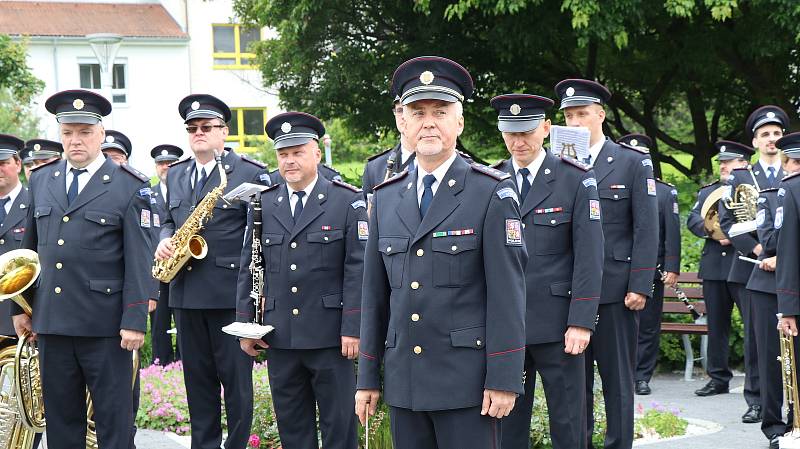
570	141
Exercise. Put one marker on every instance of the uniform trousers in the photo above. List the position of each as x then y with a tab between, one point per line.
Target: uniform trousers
649	333
765	322
444	429
752	385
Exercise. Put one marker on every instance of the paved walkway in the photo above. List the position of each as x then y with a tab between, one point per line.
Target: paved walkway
668	390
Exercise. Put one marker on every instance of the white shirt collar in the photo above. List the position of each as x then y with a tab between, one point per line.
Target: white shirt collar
404	154
209	166
91	169
12	196
765	167
437	173
309	188
594	150
533	167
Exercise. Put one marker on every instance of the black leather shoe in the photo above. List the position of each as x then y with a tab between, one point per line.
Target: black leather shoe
752	415
642	388
711	389
773	442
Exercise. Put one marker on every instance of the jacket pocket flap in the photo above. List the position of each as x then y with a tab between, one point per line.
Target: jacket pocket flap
622	253
42	211
392	245
102	218
614	194
325	236
107	286
552	219
333	301
454	244
561	289
230	263
391	338
174	203
471	337
271	239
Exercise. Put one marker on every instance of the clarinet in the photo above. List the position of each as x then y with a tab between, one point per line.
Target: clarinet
389	167
682	296
257	264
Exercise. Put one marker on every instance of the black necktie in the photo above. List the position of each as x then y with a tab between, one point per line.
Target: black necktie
201	181
588	160
72	192
526	186
427	195
298	207
771	176
3	202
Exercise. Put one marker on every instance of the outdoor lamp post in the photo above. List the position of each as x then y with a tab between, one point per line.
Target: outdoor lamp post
105	47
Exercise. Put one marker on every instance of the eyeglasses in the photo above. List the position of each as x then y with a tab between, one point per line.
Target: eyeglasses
191	129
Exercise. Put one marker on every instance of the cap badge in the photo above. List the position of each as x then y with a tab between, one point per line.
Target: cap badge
426	77
109	139
195	105
634	142
515	109
286	127
37	147
164	152
570	91
722	148
78	104
770	114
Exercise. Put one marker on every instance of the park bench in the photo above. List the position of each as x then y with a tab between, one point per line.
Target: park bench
693	288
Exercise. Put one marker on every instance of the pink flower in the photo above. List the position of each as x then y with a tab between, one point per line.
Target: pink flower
254	441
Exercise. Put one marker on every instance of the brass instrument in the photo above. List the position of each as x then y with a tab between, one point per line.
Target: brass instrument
186	240
710	214
13	434
789	376
744	200
389	167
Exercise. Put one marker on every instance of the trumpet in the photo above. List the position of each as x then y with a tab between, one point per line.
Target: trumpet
789	377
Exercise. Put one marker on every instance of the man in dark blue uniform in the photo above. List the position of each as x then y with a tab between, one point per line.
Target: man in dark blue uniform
401	155
312	239
38	152
745	244
203	293
560	213
89	221
627	193
161	317
117	147
669	263
765	126
444	288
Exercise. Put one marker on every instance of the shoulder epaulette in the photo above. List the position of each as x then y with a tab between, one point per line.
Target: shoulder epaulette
141	176
575	163
44	165
345	185
491	172
791	176
270	187
498	164
465	156
631	147
741	168
258	164
711	183
274	172
180	161
327	167
391	180
665	183
769	189
375	156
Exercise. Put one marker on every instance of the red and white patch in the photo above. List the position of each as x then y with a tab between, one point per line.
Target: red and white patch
144	220
651	187
363	230
513	232
594	209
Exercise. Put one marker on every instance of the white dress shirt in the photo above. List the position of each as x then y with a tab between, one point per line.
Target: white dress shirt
594	150
404	155
208	166
12	196
438	173
84	178
777	166
293	198
533	167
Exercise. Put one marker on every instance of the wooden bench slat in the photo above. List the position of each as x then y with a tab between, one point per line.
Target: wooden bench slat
684	328
680	307
691	292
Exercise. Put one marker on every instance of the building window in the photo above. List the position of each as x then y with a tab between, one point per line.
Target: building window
90	79
247	128
232	44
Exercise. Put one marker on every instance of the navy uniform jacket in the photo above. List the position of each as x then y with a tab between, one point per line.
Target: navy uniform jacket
760	280
375	169
669	227
326	172
715	261
11	232
159	206
95	252
210	283
444	298
314	269
627	192
744	243
564	240
787	221
761	176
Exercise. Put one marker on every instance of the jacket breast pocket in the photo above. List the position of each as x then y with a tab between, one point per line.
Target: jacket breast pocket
42	217
394	250
470	337
100	230
552	233
615	204
106	287
451	260
271	244
326	249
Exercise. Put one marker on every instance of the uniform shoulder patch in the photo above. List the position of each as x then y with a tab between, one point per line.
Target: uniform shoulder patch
258	164
491	172
575	163
180	161
141	176
392	180
44	165
346	185
377	155
636	149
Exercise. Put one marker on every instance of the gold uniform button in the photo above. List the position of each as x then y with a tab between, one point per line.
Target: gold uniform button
724	254
2	241
414	317
58	265
417	349
295	312
65	219
57	290
60	242
294	289
292	267
414	285
420	252
189	268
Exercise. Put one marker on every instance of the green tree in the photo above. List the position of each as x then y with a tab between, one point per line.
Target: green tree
708	62
18	85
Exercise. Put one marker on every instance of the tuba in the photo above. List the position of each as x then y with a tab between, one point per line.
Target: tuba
188	243
13	433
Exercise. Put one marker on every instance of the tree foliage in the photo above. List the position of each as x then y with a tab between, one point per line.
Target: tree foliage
708	62
17	86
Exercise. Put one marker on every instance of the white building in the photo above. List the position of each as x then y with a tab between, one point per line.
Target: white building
169	49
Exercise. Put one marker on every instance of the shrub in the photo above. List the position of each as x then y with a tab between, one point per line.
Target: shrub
659	422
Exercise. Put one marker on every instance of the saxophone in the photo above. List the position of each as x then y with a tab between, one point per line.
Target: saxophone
187	241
